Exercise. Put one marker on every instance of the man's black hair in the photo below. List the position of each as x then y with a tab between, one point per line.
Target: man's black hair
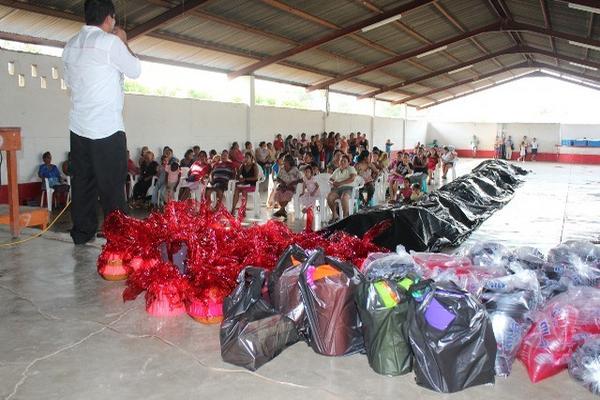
96	11
46	154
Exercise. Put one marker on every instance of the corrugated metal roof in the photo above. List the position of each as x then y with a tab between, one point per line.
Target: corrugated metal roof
227	35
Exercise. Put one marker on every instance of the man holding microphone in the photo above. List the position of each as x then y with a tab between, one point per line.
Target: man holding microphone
95	61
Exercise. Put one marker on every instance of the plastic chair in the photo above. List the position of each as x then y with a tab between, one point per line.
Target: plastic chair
48	194
132	180
324	189
454	168
256	194
358	184
296	202
229	193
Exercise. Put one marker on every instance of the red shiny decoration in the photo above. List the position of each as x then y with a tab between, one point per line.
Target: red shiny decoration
218	248
310	218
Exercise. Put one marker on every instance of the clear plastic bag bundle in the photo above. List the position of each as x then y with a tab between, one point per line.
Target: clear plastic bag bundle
383	307
529	257
253	332
575	261
284	289
511	302
451	338
389	265
328	287
558	331
491	256
455	268
584	366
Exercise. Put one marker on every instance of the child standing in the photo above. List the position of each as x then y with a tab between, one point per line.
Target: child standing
388	148
310	190
522	151
173	175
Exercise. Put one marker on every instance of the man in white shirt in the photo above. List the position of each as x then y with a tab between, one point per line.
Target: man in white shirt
95	61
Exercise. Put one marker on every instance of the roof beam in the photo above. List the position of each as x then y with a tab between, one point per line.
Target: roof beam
329	25
329	37
164	18
510	50
405	56
504	13
283	39
548	24
403	27
515	78
41	10
589	33
567	72
529	74
460	83
519	26
461	28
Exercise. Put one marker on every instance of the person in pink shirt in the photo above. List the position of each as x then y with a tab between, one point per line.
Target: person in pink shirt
236	156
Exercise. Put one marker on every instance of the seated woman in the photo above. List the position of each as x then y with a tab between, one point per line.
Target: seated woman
148	169
448	160
188	159
341	187
222	172
398	174
288	178
416	193
199	171
49	172
247	178
369	173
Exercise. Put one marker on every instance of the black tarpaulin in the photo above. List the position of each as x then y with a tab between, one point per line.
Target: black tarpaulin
444	217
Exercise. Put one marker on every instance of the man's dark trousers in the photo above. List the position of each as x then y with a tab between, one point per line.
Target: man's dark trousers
99	170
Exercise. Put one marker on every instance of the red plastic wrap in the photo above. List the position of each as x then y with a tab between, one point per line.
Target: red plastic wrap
455	268
561	327
310	219
217	248
112	262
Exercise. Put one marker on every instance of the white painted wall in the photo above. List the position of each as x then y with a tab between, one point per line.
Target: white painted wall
269	121
346	123
460	134
571	131
155	121
416	132
547	135
388	128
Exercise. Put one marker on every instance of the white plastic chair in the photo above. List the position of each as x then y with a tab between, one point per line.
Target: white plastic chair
256	194
48	193
296	202
229	193
358	184
152	187
324	189
132	180
454	168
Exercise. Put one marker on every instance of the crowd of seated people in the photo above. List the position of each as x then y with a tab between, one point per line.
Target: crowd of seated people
292	164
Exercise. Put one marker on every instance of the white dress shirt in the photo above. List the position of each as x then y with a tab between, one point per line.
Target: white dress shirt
95	62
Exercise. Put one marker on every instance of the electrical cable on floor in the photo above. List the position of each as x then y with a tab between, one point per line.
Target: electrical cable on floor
37	235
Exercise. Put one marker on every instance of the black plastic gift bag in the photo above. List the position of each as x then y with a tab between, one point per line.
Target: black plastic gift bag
328	287
283	284
253	332
451	338
383	309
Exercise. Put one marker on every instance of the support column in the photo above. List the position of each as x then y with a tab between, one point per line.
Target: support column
372	134
325	110
251	103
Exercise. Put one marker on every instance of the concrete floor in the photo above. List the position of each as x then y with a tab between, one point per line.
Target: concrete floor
66	334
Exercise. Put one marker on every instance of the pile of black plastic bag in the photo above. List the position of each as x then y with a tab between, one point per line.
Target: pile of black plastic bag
456	321
444	217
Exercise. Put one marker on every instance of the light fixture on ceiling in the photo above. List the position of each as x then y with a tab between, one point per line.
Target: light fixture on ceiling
381	23
460	69
587	46
427	53
583	66
581	7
